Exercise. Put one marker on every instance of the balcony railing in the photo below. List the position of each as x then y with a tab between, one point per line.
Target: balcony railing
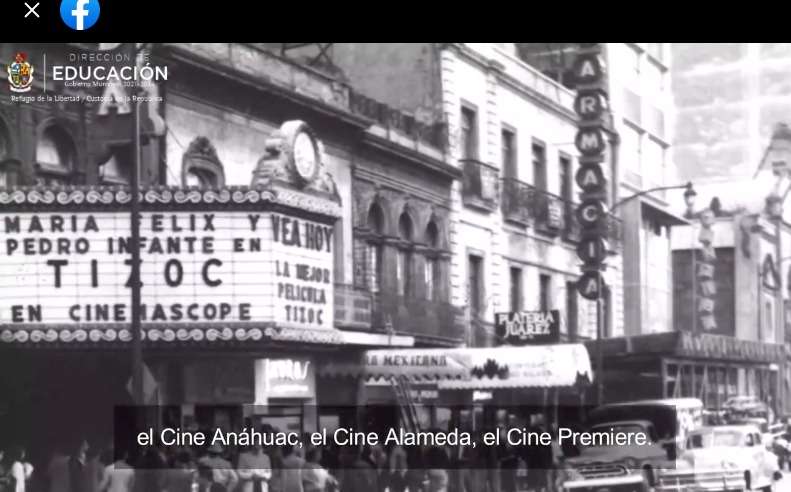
417	317
361	309
548	211
572	231
481	184
516	199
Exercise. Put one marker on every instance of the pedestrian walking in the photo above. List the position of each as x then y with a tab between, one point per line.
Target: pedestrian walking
94	469
20	469
119	476
356	474
315	478
222	472
292	470
58	470
397	479
438	462
254	469
6	478
77	467
183	475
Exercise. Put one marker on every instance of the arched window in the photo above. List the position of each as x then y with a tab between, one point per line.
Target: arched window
201	167
375	224
117	169
55	156
432	272
404	258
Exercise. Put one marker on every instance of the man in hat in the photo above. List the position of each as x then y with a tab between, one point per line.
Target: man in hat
222	470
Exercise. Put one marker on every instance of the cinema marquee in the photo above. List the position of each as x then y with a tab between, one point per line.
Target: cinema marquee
237	263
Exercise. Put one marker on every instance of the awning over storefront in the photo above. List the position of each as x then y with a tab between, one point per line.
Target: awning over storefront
689	345
474	368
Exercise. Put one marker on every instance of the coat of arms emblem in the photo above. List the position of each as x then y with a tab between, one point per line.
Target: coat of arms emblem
20	74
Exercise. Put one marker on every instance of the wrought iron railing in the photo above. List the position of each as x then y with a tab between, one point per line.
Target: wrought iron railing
548	211
361	309
481	184
516	199
572	230
417	317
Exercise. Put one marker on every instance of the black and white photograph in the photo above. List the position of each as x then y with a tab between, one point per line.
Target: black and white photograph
393	267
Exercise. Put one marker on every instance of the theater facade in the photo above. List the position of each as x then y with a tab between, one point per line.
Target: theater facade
261	259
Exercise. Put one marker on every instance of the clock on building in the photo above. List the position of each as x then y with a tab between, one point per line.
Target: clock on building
305	155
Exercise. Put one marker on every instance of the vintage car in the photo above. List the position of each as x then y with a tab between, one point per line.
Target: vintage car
665	422
738	408
730	457
604	461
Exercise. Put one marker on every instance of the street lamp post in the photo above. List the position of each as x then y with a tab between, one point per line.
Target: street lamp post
689	197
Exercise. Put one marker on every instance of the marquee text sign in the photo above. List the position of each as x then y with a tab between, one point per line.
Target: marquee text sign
224	266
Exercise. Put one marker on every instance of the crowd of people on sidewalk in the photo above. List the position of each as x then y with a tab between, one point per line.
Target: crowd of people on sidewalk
285	469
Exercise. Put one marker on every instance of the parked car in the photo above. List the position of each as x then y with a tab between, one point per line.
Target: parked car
730	457
739	408
666	422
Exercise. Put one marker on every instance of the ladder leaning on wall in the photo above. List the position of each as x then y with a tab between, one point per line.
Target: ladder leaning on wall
406	405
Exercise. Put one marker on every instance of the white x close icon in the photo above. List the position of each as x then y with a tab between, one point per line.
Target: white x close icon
32	10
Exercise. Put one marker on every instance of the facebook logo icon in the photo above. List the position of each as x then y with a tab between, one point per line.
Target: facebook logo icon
79	14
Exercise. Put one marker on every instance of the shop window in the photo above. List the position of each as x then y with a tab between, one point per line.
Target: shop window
432	265
404	256
201	167
375	225
55	156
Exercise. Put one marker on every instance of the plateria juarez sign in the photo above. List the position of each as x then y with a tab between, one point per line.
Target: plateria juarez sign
528	327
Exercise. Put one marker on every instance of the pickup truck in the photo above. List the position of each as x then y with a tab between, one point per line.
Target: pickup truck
640	461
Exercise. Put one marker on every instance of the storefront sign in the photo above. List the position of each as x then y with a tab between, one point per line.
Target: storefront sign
591	106
219	266
290	378
482	395
528	327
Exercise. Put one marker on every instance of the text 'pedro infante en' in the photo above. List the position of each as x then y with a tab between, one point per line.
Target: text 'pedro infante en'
516	436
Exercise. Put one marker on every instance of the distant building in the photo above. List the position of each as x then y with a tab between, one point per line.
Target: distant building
728	97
